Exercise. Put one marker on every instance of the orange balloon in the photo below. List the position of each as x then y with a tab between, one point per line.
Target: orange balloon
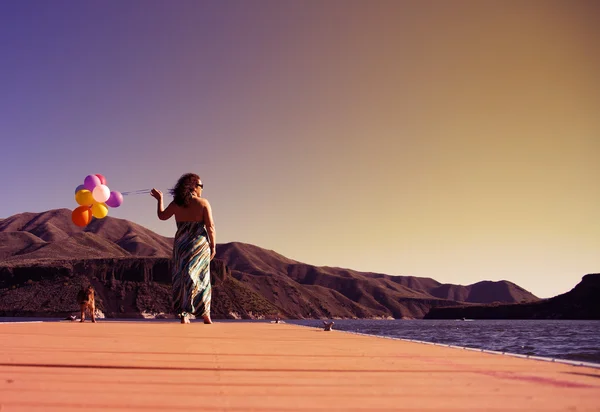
82	216
84	197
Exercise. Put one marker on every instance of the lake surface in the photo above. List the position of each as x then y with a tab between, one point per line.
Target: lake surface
576	340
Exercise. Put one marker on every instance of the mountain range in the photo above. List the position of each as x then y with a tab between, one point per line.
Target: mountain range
45	259
579	303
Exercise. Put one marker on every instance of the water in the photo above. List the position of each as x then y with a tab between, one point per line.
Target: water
577	340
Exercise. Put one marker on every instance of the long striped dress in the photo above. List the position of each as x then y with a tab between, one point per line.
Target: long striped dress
191	270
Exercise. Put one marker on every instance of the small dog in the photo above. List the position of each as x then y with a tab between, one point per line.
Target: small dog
328	325
85	299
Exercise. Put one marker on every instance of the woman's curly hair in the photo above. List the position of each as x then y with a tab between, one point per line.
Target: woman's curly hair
182	192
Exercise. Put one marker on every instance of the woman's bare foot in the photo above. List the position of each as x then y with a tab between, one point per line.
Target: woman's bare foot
184	318
207	319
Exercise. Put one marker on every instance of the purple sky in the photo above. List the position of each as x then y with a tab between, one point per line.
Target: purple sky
453	140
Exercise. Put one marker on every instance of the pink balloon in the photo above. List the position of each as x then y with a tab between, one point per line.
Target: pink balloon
90	182
101	193
115	199
102	178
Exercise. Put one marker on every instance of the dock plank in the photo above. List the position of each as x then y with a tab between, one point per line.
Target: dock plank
228	366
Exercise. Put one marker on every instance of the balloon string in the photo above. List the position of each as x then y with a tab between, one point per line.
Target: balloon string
136	192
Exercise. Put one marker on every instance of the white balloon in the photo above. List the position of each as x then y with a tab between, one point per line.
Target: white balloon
101	193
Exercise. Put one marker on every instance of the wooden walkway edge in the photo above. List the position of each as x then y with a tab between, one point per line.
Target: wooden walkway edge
228	366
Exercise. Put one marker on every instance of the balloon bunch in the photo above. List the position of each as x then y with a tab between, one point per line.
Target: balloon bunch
94	196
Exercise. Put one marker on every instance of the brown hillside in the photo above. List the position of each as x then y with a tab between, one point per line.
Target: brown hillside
30	222
17	243
423	285
484	292
132	237
503	291
85	245
49	232
455	292
304	301
56	226
263	282
252	259
360	286
291	285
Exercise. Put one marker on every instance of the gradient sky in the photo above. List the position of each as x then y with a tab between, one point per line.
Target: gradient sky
457	140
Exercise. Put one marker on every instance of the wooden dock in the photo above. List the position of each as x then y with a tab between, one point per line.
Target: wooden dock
228	366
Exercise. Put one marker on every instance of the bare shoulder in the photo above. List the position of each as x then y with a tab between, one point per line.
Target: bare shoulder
199	204
203	202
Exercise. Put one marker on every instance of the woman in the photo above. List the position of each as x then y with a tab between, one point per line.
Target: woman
193	248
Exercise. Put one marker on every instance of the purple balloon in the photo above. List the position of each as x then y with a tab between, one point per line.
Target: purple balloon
78	188
115	199
90	182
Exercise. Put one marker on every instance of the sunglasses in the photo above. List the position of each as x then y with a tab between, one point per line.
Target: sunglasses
200	185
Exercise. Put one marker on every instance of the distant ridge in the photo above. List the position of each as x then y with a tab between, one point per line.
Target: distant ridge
36	247
253	260
581	302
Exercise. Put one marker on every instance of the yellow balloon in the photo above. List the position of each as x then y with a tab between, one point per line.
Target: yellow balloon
84	197
99	210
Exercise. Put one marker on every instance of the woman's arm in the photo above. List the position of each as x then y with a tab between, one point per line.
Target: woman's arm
210	228
163	214
167	213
